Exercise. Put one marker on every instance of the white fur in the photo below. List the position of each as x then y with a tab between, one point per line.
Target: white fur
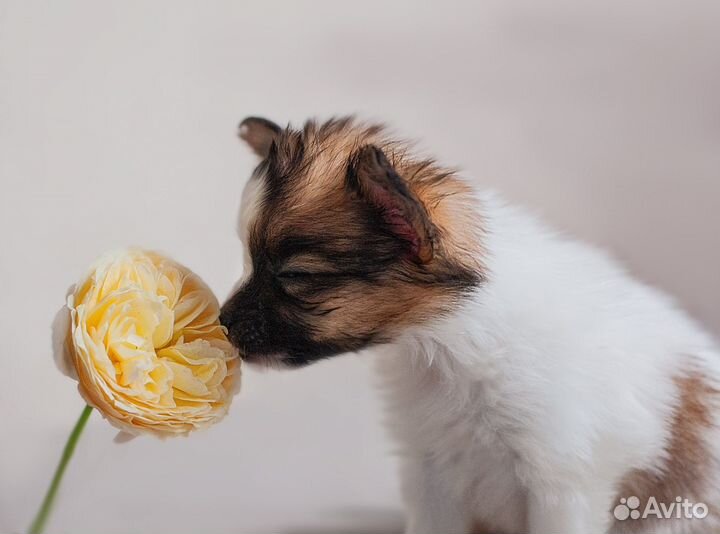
249	209
526	407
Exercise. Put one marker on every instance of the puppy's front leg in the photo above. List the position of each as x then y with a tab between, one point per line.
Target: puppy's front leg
559	513
431	508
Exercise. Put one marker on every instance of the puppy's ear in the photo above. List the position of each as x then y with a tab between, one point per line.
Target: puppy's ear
372	177
259	133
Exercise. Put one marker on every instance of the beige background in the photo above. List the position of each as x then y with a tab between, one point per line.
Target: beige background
117	126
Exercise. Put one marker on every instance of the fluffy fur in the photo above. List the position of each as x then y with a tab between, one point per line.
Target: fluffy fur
560	387
530	398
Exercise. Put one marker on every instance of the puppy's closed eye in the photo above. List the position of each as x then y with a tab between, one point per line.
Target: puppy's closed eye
308	267
291	275
306	275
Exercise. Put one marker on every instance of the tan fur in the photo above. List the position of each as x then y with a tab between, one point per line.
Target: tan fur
453	210
383	309
684	472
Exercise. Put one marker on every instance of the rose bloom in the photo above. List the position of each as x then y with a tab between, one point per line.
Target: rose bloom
146	345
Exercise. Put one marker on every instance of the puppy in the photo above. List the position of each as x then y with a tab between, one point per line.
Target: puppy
533	385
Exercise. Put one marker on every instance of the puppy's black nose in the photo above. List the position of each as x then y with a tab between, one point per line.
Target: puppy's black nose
229	316
229	319
226	318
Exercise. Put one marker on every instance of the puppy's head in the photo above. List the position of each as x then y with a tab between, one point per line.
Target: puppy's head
348	241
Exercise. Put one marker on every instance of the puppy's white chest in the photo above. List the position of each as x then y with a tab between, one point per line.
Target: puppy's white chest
448	423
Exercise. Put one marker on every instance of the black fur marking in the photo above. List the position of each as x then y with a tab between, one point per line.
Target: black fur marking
262	319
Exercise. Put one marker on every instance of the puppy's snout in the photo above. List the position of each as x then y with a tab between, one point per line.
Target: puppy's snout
246	325
225	317
228	316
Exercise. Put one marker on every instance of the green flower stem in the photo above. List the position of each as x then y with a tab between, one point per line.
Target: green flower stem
41	518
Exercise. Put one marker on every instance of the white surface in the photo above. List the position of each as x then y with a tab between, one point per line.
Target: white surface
117	126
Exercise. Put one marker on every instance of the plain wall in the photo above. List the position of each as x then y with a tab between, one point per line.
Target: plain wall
117	127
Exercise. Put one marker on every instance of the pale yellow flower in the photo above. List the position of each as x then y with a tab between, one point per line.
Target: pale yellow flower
146	345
